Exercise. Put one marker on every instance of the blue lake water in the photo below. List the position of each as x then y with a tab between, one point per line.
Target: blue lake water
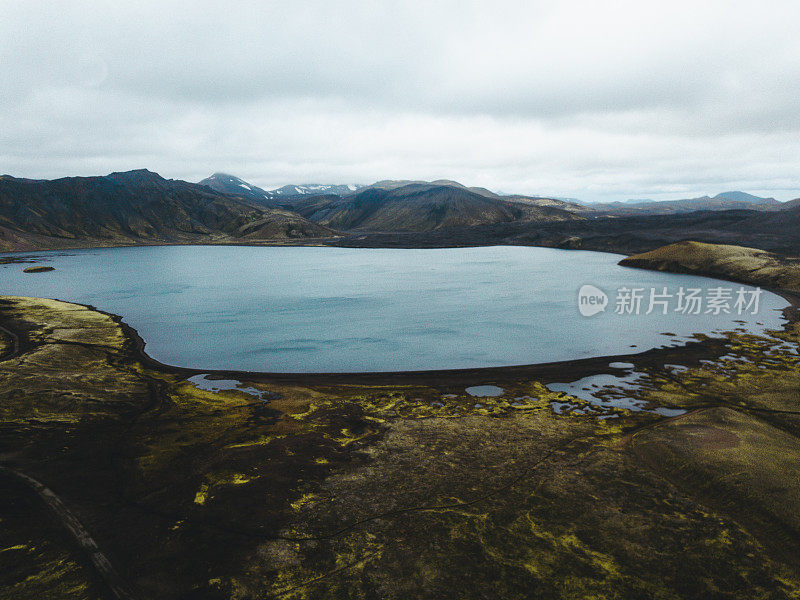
313	309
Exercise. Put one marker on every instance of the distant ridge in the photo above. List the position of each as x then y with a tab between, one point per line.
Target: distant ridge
734	200
291	193
141	207
235	186
791	204
134	207
315	189
745	197
402	206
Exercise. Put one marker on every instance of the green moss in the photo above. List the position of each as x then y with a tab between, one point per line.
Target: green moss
359	491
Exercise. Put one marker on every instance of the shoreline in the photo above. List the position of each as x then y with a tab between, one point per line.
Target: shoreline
334	242
689	353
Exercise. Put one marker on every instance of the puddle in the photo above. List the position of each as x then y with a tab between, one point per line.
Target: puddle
202	382
485	391
563	407
613	388
607	391
520	401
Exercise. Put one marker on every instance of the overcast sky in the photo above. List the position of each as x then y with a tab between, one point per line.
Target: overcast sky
595	100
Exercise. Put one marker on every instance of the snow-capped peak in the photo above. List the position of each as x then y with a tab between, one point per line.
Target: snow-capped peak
315	188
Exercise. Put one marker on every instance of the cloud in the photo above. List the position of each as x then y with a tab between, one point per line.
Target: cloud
597	100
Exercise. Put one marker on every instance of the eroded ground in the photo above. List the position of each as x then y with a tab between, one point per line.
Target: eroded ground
319	489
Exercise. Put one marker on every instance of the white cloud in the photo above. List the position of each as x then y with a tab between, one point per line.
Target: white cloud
588	99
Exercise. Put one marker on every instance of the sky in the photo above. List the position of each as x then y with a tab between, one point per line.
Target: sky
582	99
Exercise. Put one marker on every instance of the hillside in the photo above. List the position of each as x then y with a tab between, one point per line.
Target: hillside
734	200
734	263
133	207
791	204
391	184
422	207
776	232
294	195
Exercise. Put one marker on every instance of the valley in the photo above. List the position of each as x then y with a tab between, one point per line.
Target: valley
128	477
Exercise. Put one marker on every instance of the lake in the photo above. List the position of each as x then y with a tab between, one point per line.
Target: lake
314	309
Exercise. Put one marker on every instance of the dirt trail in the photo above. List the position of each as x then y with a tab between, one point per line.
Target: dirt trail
99	560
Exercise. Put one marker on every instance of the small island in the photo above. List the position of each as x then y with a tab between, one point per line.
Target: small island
38	269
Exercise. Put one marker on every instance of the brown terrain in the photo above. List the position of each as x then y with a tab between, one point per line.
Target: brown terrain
123	479
391	486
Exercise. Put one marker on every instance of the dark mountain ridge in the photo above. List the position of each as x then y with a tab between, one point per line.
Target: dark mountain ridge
777	232
141	207
235	186
134	207
420	207
791	204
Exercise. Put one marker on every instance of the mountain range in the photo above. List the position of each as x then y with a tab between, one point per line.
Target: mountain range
724	201
141	207
230	184
134	207
315	189
422	207
732	200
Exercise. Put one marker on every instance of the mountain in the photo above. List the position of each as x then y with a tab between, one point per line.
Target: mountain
725	201
315	189
288	195
420	207
232	185
393	184
134	207
141	207
791	204
746	198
